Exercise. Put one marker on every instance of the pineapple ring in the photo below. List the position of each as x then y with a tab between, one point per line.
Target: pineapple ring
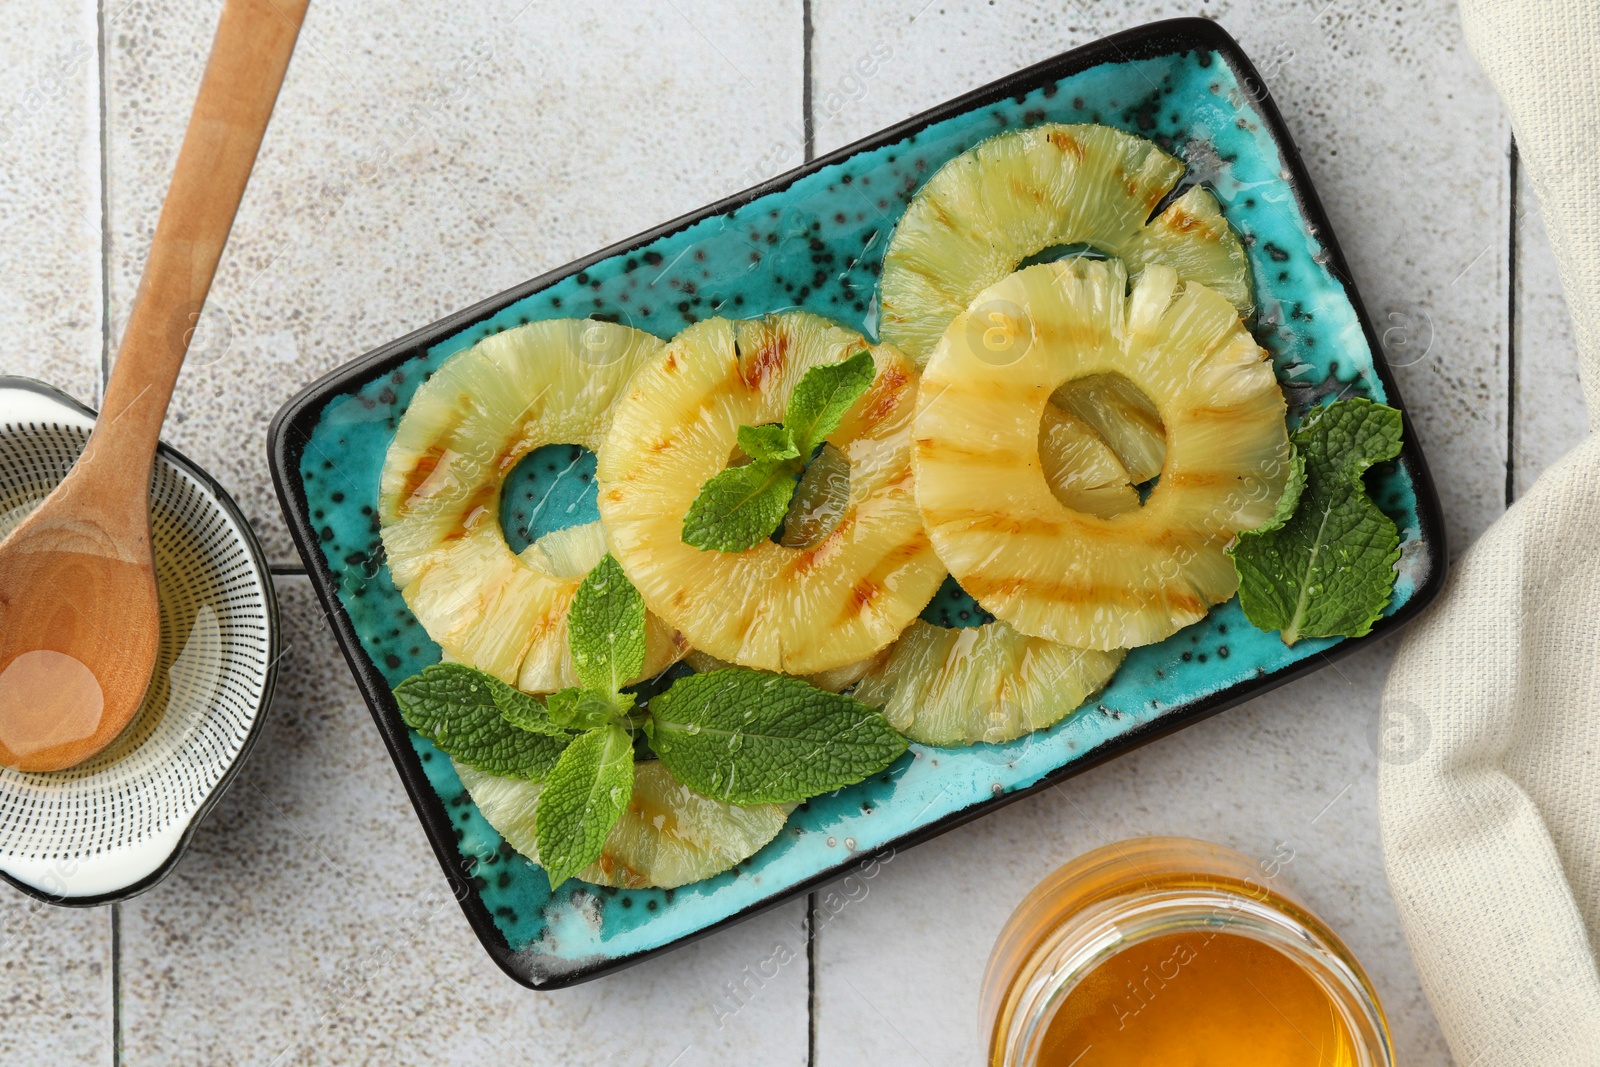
1069	576
552	382
1021	192
944	686
668	836
795	610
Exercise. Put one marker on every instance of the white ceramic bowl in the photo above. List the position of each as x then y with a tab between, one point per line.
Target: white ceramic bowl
117	824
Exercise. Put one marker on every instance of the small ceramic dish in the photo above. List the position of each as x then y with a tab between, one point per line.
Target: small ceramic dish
116	825
814	238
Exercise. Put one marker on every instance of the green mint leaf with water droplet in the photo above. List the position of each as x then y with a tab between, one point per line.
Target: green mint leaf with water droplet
824	396
585	709
740	507
1326	568
461	711
749	737
605	628
771	442
583	797
523	711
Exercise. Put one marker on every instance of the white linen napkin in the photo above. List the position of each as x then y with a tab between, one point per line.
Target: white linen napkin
1490	796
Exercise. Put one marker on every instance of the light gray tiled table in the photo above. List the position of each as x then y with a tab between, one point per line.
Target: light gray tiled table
426	154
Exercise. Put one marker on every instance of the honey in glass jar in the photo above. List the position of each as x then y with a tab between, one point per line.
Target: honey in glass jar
1174	952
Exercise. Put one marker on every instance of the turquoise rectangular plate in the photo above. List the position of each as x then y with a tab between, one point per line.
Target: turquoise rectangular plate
814	238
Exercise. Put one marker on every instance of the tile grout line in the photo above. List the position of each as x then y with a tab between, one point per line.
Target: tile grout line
116	985
811	979
1511	332
807	31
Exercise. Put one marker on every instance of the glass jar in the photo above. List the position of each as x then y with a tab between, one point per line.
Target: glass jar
1149	943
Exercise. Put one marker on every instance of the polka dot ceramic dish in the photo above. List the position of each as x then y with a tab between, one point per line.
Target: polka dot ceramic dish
116	825
815	239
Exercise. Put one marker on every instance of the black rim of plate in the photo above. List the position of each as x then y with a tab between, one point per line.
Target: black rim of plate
258	559
292	427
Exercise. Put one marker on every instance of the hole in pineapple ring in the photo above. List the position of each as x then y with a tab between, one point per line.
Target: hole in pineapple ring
999	332
1102	444
549	489
1075	250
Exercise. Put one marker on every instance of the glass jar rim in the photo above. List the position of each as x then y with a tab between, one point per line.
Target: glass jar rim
1016	1018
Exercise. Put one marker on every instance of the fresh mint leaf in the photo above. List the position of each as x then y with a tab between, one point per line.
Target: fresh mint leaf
739	507
823	397
1328	569
582	799
749	737
770	442
1293	488
605	628
585	709
523	711
457	709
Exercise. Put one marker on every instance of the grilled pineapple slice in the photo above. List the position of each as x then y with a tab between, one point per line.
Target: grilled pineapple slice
439	504
668	836
1071	576
1024	191
943	686
771	607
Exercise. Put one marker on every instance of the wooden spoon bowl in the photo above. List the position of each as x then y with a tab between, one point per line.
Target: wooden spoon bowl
79	618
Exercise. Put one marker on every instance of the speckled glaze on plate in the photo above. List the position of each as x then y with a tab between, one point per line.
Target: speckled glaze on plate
814	238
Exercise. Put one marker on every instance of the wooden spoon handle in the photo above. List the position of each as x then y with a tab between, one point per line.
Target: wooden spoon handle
248	58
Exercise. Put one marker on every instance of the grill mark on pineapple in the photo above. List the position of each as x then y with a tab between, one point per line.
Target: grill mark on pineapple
767	362
419	473
1131	185
1197	479
472	513
1179	221
821	554
615	872
938	280
884	395
990	457
975	520
1065	143
1091	594
1026	190
649	813
863	594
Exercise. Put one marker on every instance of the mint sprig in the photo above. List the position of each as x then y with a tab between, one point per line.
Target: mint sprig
738	735
742	506
748	737
582	799
1323	565
463	712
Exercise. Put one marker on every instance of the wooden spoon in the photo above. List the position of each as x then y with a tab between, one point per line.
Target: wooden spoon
79	619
